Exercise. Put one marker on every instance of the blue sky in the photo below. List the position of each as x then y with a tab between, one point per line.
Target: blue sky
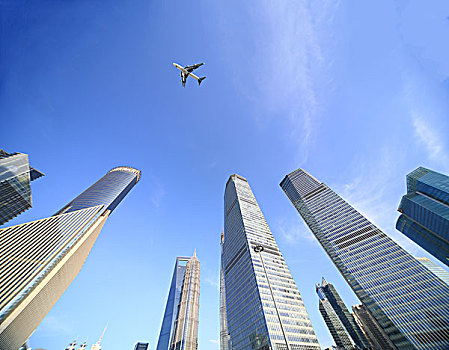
355	93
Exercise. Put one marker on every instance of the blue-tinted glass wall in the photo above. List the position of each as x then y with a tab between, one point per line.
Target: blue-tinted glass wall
336	329
108	191
171	308
142	346
264	309
425	212
15	188
327	291
407	300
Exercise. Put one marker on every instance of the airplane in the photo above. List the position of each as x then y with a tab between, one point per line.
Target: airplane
187	71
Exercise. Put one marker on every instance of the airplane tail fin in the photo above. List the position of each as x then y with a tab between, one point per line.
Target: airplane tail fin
200	80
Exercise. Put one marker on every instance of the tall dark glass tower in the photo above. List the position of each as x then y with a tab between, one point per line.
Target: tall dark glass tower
142	346
179	330
225	339
407	300
264	309
425	212
327	291
373	331
15	189
39	259
336	329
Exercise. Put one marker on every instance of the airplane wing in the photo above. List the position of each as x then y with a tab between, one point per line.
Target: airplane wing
193	67
199	79
194	76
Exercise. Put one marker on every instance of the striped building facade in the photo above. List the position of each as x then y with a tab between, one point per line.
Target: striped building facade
39	259
264	310
407	300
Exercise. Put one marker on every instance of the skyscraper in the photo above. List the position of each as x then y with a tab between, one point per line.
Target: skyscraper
407	300
437	270
327	291
142	346
15	189
374	333
264	309
225	339
425	212
39	259
336	329
179	330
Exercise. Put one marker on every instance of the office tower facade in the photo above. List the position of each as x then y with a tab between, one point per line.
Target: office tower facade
437	270
406	299
425	212
374	333
142	346
179	330
15	188
336	329
225	339
40	259
327	291
264	310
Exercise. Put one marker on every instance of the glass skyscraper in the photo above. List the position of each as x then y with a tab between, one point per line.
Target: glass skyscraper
179	330
15	189
373	332
264	310
425	212
327	291
336	329
142	346
437	270
407	300
39	259
225	339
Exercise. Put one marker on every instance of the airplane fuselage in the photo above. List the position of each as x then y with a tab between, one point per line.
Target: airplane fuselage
187	71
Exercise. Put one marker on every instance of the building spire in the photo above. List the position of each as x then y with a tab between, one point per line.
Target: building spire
97	345
194	253
102	334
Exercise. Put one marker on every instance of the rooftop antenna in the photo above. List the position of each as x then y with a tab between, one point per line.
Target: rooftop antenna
97	345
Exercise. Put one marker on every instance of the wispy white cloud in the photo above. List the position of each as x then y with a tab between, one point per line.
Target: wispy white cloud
211	277
157	192
213	282
52	325
215	341
295	232
431	138
289	64
374	192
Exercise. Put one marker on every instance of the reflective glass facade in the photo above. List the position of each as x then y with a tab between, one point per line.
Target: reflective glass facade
264	309
179	330
336	329
373	332
38	261
409	302
425	212
437	270
142	346
225	339
15	188
171	309
327	291
108	191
